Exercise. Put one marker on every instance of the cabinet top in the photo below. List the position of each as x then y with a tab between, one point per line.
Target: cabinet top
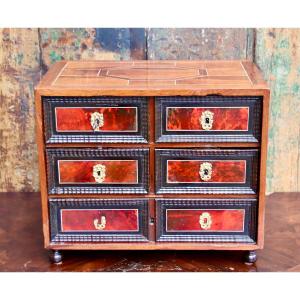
151	78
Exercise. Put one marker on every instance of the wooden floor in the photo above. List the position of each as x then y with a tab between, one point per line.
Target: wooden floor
21	245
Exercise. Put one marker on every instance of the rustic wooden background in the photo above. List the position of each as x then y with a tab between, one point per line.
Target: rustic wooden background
26	54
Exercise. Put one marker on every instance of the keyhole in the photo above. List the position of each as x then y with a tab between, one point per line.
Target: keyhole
207	120
205	172
97	122
99	173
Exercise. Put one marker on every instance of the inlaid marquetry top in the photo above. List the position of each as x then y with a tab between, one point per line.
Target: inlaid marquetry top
152	77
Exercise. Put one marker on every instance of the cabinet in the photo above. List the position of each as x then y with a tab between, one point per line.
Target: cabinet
152	155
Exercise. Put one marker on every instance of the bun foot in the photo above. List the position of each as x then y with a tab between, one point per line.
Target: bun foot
251	257
56	256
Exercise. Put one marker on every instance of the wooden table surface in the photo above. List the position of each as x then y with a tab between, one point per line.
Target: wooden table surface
21	244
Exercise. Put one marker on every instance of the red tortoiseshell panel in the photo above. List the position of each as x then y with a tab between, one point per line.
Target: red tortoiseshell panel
189	220
225	118
223	171
116	171
83	219
79	118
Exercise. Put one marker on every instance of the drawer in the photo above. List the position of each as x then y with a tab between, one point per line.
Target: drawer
208	119
95	119
93	171
200	220
94	220
206	171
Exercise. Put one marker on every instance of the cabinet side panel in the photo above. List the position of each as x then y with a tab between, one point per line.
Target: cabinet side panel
263	169
42	166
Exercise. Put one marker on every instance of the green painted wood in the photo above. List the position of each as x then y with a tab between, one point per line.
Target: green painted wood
277	53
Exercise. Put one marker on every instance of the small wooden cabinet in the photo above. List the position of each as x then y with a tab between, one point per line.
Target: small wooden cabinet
152	155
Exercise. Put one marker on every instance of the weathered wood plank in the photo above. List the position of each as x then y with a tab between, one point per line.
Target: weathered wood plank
93	44
278	55
20	70
199	43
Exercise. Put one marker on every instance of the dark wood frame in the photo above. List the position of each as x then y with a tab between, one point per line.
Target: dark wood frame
251	136
248	236
52	136
259	88
58	237
141	155
249	187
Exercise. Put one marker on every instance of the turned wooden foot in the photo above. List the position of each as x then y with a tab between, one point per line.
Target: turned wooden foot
56	256
251	256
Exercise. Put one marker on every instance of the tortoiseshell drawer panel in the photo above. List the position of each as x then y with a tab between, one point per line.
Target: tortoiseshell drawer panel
95	119
206	171
105	171
208	119
199	220
94	220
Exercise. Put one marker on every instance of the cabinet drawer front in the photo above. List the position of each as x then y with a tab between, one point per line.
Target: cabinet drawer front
181	220
226	220
208	119
99	219
94	220
82	119
97	171
206	171
95	119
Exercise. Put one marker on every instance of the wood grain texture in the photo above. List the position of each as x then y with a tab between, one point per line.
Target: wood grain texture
206	171
98	221
91	43
119	171
20	71
200	43
83	220
187	171
215	221
151	78
115	119
225	119
95	119
186	220
116	171
278	55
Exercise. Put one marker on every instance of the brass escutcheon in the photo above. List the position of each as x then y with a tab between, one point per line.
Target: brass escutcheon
97	121
205	220
207	120
205	171
102	224
99	173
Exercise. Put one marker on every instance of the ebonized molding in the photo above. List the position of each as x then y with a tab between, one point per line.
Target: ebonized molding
87	153
248	236
52	136
252	135
249	187
60	237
